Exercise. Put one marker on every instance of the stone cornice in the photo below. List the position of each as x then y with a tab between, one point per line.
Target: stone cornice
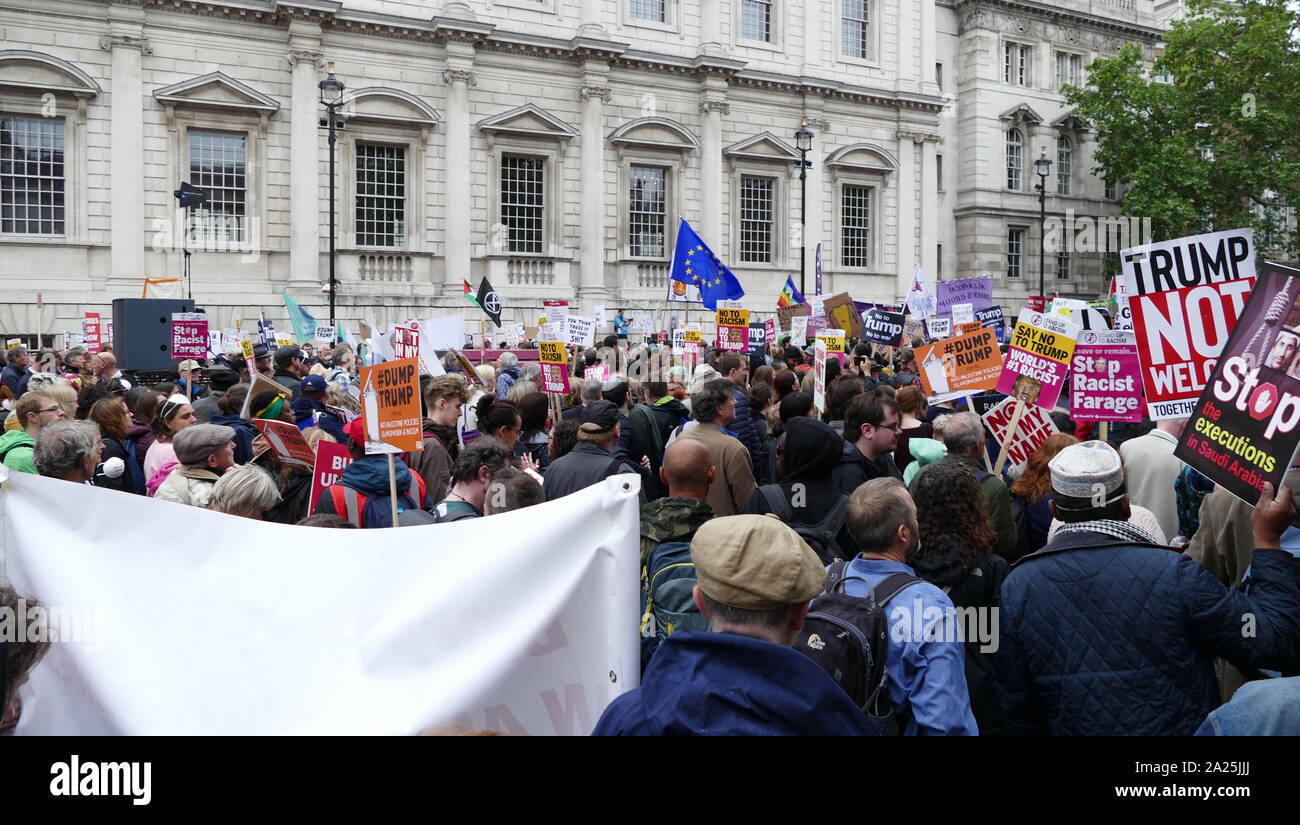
968	10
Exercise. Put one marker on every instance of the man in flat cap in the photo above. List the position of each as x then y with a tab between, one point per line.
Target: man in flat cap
220	380
204	454
592	460
742	678
1105	632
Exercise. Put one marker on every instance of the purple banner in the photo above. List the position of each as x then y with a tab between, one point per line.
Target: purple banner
978	292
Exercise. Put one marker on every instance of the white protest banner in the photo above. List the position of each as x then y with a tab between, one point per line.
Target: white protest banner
579	331
799	330
920	301
556	311
819	377
963	313
1035	427
326	332
549	332
1185	296
514	334
560	643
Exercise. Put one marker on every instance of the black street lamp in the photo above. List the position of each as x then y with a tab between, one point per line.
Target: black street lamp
331	97
1044	168
803	142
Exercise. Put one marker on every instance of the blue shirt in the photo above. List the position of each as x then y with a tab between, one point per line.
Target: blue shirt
926	662
620	324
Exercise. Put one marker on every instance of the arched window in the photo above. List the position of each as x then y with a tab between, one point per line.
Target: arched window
1064	164
1015	159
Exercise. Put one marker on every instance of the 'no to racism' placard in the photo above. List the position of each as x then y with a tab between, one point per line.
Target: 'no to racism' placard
555	367
1105	382
733	329
1185	297
1245	427
1039	358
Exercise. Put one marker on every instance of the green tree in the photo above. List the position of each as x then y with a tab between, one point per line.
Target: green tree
1208	137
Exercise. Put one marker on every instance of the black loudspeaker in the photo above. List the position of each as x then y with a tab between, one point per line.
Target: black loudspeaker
142	331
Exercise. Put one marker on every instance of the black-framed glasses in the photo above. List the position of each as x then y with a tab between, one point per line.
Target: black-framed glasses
55	408
895	427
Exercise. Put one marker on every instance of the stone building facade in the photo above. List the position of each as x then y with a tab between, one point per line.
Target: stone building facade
550	145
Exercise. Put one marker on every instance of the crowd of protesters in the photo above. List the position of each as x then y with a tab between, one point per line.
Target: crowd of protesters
765	521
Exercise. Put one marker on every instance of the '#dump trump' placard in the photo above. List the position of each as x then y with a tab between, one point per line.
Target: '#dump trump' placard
1039	358
956	366
1185	296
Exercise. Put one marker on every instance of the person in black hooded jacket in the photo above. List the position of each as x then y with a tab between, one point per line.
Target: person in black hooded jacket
810	451
956	555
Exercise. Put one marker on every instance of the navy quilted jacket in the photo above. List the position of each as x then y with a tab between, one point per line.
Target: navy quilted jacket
1113	639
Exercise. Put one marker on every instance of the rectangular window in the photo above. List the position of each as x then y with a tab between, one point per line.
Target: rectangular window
31	176
756	219
756	20
938	172
855	226
381	195
855	28
647	211
1110	193
938	75
1015	245
522	202
1015	64
938	263
219	166
1063	265
1068	70
652	10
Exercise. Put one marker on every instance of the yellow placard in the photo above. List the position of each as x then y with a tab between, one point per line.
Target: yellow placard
733	317
246	346
551	352
691	336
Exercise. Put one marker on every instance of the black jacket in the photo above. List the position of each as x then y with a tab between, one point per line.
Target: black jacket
812	448
585	465
113	449
855	469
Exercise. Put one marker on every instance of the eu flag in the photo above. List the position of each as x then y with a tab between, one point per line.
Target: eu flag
694	264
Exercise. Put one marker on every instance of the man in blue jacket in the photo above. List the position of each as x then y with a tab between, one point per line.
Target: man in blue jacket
1105	632
735	369
755	577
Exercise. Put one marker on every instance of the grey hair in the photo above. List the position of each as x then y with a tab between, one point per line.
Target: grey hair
775	618
74	352
44	380
63	447
590	390
509	359
244	489
962	433
875	512
710	398
530	371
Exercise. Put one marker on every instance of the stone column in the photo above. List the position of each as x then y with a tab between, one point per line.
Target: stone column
929	207
456	205
592	25
126	157
907	25
305	112
713	107
711	27
594	95
812	36
928	37
906	252
814	231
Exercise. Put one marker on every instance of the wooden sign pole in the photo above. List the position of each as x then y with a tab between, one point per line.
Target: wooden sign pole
1011	436
1105	431
392	488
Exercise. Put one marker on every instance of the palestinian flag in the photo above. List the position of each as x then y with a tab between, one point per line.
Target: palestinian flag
471	296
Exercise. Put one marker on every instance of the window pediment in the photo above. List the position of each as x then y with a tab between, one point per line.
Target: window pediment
219	91
38	73
764	146
862	157
654	133
527	121
1021	114
392	106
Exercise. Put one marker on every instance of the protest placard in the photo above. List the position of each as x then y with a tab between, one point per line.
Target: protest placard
842	313
1105	377
90	328
984	402
1039	358
991	317
835	340
758	337
913	330
785	315
976	291
391	406
1035	427
214	343
692	343
326	332
1185	296
283	339
799	330
769	324
960	365
514	334
556	311
819	377
967	327
331	459
466	367
733	329
579	331
287	441
1245	427
963	313
599	372
13	342
406	341
189	335
879	327
555	367
938	328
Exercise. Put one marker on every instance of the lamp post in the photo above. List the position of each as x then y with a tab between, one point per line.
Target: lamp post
803	142
331	97
1043	166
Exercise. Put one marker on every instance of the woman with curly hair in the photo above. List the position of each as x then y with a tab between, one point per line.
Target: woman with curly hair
1032	491
956	555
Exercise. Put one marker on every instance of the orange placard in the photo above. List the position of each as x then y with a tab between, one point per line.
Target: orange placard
968	327
959	365
287	441
390	406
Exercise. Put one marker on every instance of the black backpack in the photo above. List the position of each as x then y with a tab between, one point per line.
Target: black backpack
848	636
822	537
